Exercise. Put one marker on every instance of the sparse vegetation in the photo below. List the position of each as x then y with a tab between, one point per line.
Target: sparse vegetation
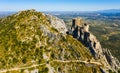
23	43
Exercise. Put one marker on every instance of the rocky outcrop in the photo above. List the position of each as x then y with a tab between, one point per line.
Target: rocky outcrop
80	31
113	62
57	23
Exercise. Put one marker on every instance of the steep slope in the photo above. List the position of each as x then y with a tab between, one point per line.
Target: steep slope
31	41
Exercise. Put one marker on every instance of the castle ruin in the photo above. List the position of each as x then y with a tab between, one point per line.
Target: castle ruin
80	31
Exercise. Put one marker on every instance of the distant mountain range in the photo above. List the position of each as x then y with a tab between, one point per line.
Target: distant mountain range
109	11
5	13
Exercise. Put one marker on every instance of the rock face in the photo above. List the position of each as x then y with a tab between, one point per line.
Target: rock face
81	32
57	23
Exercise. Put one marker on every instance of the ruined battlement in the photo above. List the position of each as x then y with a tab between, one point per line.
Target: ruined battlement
76	22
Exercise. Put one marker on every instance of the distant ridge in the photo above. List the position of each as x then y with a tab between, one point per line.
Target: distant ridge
109	11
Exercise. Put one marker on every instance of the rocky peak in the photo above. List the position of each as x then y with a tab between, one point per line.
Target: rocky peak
29	16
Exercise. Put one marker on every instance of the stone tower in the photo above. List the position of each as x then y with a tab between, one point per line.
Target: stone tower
76	22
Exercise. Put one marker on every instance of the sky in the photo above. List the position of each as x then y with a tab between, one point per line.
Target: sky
59	5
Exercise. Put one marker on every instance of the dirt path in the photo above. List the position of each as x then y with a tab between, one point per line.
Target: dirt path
74	61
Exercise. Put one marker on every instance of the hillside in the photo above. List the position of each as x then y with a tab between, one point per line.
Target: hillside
32	41
105	26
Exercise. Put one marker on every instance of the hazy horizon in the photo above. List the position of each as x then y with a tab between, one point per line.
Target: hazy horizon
59	5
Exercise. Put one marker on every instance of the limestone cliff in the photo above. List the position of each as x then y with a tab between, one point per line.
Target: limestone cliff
80	31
